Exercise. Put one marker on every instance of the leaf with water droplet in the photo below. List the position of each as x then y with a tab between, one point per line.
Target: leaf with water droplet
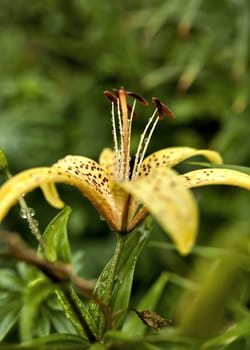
134	244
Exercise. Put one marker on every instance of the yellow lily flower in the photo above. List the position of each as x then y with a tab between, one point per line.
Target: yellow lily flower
123	194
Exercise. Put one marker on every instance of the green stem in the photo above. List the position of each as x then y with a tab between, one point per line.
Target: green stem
110	282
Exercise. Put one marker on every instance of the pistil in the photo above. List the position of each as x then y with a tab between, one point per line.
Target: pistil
125	134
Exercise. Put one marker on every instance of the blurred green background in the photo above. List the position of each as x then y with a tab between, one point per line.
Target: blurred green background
57	57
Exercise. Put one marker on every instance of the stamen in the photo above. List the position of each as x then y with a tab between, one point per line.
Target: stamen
125	114
130	120
143	144
137	97
162	108
114	128
112	98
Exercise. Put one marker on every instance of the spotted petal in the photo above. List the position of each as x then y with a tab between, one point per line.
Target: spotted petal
169	157
106	161
173	206
216	176
83	173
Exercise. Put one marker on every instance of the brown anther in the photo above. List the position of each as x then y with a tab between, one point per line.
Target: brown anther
132	94
162	108
116	92
112	98
137	97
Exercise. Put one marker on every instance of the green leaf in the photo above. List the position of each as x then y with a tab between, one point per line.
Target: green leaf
133	245
56	237
228	336
10	281
125	270
36	293
201	312
59	322
9	315
58	249
70	302
133	325
60	341
97	346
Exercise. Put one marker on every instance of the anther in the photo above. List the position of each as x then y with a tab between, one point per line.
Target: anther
162	108
112	98
137	97
132	94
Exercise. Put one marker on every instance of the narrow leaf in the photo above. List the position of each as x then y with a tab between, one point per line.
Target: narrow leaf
9	315
228	336
36	292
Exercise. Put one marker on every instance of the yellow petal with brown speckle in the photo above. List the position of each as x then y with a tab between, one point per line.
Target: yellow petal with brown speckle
169	157
83	173
216	176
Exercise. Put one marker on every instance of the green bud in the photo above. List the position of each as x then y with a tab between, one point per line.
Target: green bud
3	163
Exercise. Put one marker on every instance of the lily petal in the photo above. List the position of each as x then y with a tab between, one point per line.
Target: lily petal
83	173
169	157
173	206
106	161
51	195
216	176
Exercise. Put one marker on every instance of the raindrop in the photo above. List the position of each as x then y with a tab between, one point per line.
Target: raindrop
102	218
32	212
104	275
23	213
34	224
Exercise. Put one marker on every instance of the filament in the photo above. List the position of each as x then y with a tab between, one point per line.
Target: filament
143	144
